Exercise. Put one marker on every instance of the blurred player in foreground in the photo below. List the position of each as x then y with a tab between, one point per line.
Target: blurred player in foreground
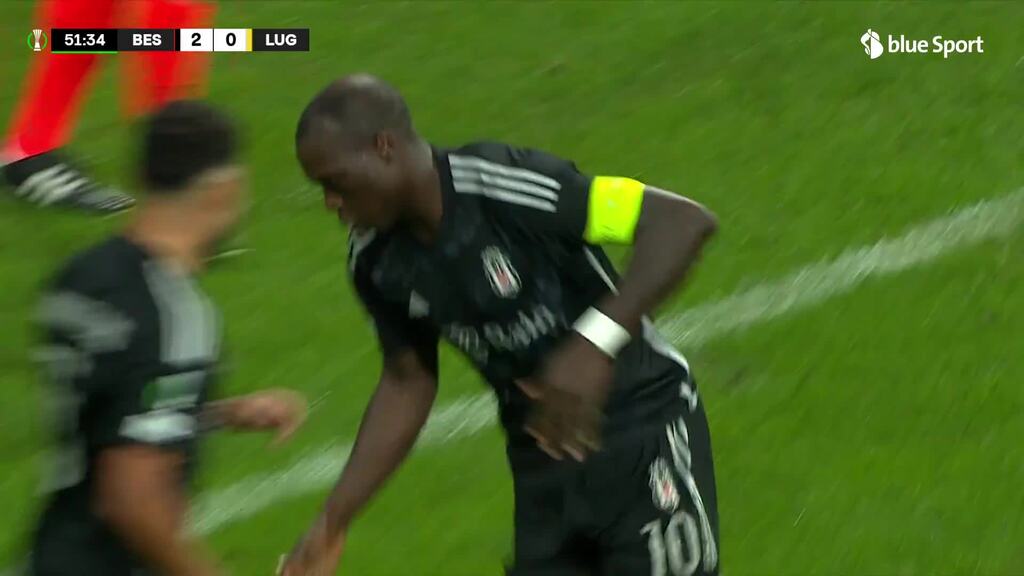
132	346
495	248
31	160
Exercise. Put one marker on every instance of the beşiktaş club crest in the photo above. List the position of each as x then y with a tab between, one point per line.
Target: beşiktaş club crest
503	277
663	486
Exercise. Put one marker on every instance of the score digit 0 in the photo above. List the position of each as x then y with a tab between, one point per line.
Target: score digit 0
230	40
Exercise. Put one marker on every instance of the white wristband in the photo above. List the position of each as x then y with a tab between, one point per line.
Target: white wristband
602	331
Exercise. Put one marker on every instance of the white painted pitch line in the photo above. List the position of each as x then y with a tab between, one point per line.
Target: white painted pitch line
216	508
825	279
806	287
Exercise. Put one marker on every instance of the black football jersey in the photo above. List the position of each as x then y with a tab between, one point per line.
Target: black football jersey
505	279
129	347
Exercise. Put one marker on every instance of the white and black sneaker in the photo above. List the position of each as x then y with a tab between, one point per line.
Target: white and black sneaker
48	180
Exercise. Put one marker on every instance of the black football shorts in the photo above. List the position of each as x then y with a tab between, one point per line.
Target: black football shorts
645	505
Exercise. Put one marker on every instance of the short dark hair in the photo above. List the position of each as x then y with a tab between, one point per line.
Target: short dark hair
181	141
361	105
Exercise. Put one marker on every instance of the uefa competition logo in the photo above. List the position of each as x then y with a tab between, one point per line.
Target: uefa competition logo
37	40
874	47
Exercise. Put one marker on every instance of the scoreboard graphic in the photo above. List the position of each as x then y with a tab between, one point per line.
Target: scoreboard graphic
114	40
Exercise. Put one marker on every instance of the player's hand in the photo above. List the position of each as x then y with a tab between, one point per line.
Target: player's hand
317	554
570	392
276	409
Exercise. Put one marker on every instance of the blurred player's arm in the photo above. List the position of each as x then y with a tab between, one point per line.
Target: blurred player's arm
399	407
277	409
391	423
139	496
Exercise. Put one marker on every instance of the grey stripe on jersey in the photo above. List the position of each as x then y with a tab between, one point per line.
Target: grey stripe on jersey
94	325
596	264
357	242
464	187
471	175
189	333
189	327
501	170
510	184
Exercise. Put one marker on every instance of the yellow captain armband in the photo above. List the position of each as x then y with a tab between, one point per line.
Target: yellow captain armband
613	210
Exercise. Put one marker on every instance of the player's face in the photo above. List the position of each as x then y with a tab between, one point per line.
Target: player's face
362	185
224	201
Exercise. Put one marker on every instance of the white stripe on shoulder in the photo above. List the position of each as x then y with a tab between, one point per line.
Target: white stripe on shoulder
509	184
467	187
501	170
359	240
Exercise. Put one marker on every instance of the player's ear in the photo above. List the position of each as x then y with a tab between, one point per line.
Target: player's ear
385	144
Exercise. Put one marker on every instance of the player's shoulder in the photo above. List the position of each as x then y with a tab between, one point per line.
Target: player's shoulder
485	149
99	294
489	151
114	265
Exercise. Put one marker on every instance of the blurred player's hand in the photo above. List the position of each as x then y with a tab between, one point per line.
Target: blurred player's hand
570	393
276	409
317	554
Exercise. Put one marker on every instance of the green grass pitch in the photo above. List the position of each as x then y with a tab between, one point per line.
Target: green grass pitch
876	433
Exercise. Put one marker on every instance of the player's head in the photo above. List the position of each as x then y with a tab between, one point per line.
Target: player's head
190	164
356	139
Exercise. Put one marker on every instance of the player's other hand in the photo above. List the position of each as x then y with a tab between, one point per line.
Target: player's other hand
276	409
317	554
570	393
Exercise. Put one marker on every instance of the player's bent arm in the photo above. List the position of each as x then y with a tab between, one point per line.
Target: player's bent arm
667	232
139	496
391	423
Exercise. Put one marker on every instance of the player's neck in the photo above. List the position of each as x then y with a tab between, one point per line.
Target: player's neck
161	232
427	202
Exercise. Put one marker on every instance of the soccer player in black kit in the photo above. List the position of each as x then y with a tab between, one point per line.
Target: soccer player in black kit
496	249
131	346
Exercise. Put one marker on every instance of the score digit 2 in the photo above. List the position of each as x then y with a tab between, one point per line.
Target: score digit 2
195	40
